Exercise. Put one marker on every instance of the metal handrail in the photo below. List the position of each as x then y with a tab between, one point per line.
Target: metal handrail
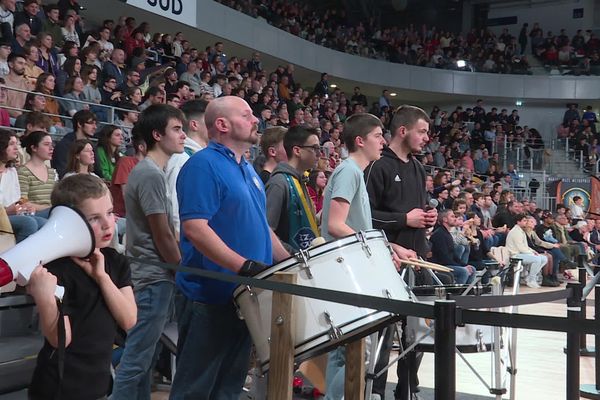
111	108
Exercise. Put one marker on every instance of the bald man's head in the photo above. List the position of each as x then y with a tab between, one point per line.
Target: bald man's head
231	116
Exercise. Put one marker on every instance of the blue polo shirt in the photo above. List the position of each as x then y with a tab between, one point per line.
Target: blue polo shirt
212	185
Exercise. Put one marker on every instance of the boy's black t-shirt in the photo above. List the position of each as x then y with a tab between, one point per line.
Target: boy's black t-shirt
93	331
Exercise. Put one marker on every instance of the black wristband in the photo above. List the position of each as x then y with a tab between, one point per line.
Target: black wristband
251	268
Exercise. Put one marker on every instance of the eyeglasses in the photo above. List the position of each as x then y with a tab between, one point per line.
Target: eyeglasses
316	148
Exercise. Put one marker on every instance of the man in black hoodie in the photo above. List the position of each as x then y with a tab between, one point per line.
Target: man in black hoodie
398	198
290	211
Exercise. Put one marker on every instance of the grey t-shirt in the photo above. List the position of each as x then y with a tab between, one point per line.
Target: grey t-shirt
146	193
347	183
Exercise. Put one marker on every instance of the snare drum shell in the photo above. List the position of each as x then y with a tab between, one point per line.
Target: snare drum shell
346	265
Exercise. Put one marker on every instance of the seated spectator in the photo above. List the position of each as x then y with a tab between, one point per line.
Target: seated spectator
71	68
81	158
32	71
48	58
127	117
154	95
134	96
22	37
517	245
442	248
16	80
109	144
113	68
33	102
20	214
73	99
5	51
52	25
35	178
69	32
45	85
84	127
317	180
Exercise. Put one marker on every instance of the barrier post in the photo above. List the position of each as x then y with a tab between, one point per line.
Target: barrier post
281	368
582	274
354	385
573	338
592	391
444	349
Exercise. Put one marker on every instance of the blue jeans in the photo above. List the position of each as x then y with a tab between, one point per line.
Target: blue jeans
462	253
213	352
461	274
25	225
557	257
133	376
336	373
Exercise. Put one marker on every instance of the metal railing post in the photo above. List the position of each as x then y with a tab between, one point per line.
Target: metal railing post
505	152
444	348
592	391
573	338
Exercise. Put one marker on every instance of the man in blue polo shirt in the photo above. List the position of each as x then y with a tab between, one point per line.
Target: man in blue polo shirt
223	228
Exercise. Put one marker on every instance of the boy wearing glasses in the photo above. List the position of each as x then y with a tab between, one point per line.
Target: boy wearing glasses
290	211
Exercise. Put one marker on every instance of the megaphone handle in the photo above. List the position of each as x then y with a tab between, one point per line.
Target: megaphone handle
59	292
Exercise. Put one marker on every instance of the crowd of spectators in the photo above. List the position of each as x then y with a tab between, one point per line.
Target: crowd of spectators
579	128
579	53
75	78
480	49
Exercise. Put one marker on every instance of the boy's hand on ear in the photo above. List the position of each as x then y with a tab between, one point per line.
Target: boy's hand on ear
93	266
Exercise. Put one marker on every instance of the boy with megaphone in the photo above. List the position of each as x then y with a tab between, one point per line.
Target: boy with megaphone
74	362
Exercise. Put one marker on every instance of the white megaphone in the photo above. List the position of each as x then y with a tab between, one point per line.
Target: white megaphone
66	233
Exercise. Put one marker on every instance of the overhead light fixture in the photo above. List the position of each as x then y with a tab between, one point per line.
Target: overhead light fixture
518	103
393	94
333	85
461	63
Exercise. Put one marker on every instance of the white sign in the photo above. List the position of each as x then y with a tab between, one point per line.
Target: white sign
183	11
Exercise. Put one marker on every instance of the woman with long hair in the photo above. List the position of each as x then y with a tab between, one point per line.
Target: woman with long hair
134	95
111	140
35	177
46	83
33	102
317	180
81	158
73	91
20	214
48	60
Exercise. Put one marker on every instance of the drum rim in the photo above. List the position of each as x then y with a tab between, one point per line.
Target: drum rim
268	273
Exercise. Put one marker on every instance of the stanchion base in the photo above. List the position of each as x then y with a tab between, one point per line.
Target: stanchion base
587	352
589	391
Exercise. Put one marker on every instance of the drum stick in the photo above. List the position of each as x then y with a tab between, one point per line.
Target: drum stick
424	264
433	265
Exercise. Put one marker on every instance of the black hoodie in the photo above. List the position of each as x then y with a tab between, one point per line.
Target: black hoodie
395	188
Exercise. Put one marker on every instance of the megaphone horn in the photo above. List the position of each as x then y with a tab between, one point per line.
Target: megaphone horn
66	233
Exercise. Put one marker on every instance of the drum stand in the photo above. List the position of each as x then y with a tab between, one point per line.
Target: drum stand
502	356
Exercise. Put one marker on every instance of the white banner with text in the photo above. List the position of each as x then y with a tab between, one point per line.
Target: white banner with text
183	11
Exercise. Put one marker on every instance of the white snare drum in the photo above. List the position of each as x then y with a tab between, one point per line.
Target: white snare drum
469	338
361	264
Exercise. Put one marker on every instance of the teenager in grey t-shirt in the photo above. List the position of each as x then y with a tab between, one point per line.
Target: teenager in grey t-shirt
146	194
347	183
